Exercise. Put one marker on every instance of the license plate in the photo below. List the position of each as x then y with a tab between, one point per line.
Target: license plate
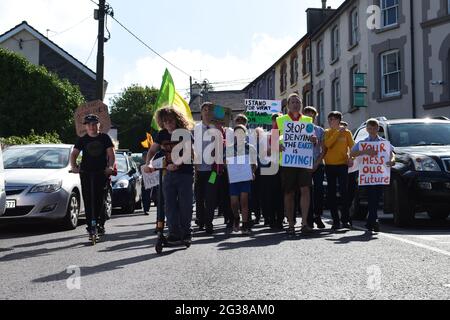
10	204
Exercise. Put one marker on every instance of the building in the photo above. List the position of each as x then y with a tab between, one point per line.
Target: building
39	50
233	99
399	54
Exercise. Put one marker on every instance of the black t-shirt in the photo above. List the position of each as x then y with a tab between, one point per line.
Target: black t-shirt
164	139
94	152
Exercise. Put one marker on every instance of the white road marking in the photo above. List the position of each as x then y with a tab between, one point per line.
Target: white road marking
417	244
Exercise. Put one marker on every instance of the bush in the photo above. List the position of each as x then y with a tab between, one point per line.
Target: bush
33	98
46	138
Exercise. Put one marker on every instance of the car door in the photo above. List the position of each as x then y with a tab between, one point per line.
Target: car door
138	179
2	186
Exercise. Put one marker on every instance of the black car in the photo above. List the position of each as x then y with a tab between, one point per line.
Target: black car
126	185
420	179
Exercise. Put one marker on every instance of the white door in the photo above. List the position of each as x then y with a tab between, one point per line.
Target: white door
2	186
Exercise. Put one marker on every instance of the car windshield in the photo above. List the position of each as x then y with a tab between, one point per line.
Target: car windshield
36	158
121	163
419	134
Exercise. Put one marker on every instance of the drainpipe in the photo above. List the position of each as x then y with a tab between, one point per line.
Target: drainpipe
413	71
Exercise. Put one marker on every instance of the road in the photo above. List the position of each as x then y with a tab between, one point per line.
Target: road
398	263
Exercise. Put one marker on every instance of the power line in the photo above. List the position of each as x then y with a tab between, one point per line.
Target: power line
150	48
92	50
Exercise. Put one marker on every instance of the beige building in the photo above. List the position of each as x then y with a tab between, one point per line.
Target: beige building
374	58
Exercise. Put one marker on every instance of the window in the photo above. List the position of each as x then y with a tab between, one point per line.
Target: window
354	23
353	71
307	101
335	48
294	68
283	77
260	90
321	106
320	61
390	72
307	59
270	93
389	12
336	92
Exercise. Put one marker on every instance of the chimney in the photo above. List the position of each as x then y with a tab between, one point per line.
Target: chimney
324	4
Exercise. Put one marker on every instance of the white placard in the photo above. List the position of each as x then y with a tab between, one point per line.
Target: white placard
150	179
158	163
374	171
298	149
239	169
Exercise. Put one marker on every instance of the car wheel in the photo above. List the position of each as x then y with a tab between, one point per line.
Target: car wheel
358	211
129	209
438	214
70	221
108	204
403	207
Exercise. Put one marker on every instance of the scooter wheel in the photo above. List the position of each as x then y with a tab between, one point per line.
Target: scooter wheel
159	248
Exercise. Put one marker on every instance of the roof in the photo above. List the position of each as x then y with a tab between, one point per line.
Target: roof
331	19
406	121
25	26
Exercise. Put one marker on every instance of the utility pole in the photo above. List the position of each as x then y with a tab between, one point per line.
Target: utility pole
100	16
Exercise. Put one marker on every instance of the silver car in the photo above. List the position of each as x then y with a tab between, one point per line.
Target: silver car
2	186
40	186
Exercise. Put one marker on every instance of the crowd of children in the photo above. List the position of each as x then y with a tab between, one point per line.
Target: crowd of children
288	193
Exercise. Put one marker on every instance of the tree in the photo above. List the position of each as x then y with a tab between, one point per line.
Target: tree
131	113
32	98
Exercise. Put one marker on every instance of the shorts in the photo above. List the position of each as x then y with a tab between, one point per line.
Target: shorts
294	178
240	187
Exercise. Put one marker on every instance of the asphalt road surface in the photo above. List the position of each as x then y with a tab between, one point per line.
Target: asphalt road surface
40	262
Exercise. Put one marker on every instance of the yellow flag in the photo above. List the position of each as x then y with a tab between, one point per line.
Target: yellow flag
182	106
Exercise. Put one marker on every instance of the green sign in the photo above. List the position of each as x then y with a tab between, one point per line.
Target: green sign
359	99
359	80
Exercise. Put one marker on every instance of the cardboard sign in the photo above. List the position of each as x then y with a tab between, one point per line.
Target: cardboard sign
94	107
158	163
239	169
259	112
220	115
151	180
374	171
298	151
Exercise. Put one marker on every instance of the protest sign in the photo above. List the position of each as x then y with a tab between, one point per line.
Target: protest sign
158	163
259	112
220	115
298	149
239	169
374	170
150	179
94	107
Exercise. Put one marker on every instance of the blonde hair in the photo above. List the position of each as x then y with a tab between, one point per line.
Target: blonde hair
169	112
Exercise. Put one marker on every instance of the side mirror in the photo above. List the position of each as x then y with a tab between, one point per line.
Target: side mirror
132	171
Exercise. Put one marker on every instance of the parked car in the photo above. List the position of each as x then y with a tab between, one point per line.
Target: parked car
127	184
2	186
420	179
39	185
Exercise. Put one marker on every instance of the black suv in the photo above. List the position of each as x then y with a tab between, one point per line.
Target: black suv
420	179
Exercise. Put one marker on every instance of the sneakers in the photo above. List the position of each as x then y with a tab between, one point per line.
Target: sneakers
173	239
101	230
146	213
319	223
209	230
290	231
246	228
336	226
346	225
375	227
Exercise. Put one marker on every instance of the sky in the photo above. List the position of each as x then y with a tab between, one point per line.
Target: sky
230	41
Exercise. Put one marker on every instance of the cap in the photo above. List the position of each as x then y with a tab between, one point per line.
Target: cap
91	118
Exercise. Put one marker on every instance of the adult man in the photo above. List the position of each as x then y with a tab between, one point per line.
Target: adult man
294	179
338	141
97	165
316	209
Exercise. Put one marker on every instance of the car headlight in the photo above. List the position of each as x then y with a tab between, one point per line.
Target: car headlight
424	163
47	187
122	184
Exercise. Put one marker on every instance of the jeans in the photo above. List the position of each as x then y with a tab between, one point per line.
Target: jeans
373	195
224	198
206	195
93	188
338	175
178	203
316	207
146	199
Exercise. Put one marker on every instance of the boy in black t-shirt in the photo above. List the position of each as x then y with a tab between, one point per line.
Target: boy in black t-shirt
96	166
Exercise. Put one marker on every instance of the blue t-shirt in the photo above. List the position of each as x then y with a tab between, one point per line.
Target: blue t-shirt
320	134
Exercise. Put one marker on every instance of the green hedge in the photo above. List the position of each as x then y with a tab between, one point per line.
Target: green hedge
32	98
46	138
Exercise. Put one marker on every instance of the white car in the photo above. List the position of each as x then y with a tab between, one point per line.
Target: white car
2	186
39	185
